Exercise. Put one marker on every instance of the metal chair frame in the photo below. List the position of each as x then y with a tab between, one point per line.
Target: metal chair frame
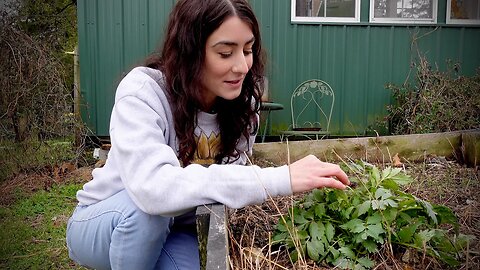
312	92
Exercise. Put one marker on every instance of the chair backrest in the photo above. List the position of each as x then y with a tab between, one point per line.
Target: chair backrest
312	104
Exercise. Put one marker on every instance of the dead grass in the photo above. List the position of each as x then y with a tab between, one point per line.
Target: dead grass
28	183
437	180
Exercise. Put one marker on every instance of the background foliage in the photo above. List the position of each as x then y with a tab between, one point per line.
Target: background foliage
36	78
436	102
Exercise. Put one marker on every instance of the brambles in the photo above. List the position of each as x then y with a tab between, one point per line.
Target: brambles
345	228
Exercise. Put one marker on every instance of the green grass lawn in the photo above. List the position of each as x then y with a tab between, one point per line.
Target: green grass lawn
32	234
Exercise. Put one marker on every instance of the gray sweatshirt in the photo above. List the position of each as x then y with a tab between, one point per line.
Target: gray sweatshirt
143	158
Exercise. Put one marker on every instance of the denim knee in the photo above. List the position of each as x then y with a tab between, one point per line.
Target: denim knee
114	233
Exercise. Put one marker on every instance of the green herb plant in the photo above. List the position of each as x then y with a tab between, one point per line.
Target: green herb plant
346	228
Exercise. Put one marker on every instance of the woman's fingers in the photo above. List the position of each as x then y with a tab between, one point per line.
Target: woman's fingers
333	170
309	173
329	182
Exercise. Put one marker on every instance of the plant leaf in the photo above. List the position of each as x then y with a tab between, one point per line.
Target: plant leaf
300	219
390	214
375	176
375	204
370	246
423	237
346	213
315	249
317	230
358	266
343	263
427	206
390	184
335	253
391	202
374	231
382	193
329	231
354	225
320	210
347	252
402	179
446	216
374	219
279	237
447	258
366	262
386	172
405	235
363	208
318	195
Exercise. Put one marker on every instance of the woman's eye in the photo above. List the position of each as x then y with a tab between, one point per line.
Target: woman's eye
225	55
247	52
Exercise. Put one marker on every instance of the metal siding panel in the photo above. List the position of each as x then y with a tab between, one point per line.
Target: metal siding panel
135	31
471	54
109	62
282	62
354	66
87	48
158	12
114	36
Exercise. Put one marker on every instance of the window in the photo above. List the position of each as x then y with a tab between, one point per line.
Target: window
317	11
403	11
463	12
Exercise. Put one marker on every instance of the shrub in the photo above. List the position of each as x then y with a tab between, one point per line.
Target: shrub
437	102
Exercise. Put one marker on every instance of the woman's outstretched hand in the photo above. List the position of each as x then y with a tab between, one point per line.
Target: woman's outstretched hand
309	173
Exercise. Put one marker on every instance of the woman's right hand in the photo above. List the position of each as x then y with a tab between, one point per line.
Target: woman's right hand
309	173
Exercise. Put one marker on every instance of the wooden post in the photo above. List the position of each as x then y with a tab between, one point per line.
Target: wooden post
471	148
212	237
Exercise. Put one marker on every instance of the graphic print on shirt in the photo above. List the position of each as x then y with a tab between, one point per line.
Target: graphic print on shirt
207	148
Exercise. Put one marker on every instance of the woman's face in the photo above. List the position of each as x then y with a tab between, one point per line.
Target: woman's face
228	58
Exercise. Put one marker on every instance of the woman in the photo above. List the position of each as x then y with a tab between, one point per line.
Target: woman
195	105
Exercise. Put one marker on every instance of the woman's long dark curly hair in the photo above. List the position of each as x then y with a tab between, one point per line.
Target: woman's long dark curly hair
181	60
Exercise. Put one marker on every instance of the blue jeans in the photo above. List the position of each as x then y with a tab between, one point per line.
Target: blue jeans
116	234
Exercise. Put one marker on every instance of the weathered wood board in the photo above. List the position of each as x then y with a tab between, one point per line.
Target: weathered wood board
461	145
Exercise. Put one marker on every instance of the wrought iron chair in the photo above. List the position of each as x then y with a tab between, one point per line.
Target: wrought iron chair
311	106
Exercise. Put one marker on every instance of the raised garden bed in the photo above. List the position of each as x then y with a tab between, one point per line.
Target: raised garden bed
436	162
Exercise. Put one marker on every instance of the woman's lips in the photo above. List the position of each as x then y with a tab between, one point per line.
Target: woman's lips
234	83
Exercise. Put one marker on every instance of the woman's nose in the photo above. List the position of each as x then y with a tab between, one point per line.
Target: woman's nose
241	64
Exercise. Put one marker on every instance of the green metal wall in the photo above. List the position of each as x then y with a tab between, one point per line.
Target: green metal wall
114	36
357	60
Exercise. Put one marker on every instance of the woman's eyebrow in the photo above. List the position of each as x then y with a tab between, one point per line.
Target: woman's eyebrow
231	43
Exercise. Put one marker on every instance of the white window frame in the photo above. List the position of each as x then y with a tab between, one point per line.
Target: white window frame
301	19
449	20
433	20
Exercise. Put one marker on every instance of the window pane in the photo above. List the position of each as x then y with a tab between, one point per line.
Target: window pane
334	8
465	9
412	9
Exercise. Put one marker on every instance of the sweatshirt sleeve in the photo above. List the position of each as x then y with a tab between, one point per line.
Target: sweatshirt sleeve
154	179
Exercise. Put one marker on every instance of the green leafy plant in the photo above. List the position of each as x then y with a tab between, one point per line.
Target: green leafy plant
344	228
